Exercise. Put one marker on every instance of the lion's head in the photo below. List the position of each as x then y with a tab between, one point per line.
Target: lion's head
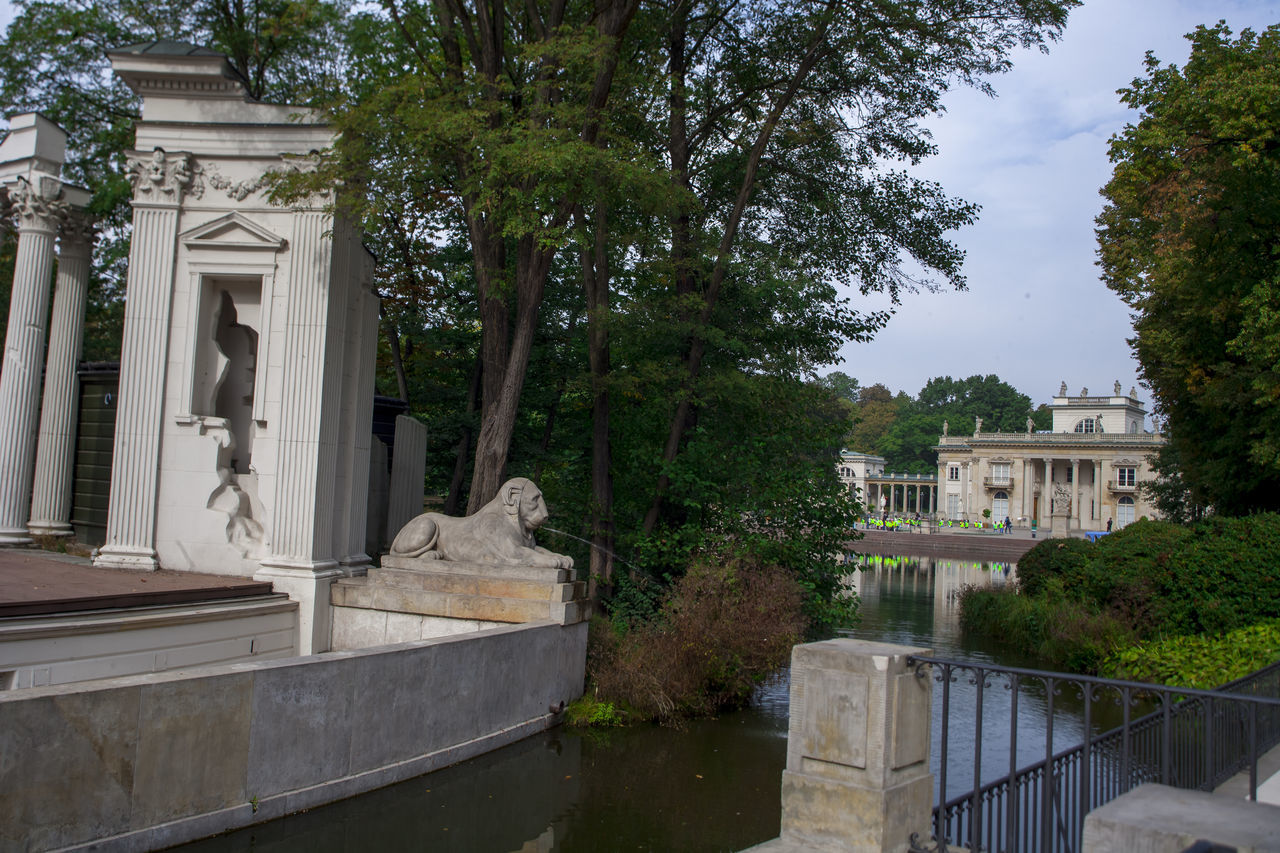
523	499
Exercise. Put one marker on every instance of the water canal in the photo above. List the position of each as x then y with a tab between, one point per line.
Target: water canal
713	786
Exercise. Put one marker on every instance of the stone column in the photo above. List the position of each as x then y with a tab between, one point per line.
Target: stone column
857	775
40	209
1046	494
302	563
160	181
1075	493
1097	492
55	450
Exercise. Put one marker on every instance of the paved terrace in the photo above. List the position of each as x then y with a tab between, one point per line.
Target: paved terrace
40	582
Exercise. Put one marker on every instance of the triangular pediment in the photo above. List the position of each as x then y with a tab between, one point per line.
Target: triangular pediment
233	231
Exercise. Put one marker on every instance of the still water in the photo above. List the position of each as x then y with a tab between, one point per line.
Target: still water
713	786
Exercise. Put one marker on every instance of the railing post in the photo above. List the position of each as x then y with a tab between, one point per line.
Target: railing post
857	774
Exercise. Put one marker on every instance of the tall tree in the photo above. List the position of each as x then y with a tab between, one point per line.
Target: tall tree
781	119
494	113
1188	241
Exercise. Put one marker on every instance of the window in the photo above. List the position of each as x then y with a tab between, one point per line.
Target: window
953	507
1124	511
1071	474
953	472
1000	506
1086	425
1126	476
1000	471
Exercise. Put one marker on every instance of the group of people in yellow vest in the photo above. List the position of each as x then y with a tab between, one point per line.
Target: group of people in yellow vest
912	524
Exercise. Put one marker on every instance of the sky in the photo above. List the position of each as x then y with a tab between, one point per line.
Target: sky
1035	312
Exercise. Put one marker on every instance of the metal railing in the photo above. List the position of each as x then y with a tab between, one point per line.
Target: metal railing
1194	739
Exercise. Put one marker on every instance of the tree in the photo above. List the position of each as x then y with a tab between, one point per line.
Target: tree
1187	240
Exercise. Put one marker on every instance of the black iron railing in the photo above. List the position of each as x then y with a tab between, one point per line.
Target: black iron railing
1193	739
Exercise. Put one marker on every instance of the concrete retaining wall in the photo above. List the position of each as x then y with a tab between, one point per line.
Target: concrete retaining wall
144	762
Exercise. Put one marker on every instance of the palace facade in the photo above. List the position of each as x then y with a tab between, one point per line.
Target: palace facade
1094	457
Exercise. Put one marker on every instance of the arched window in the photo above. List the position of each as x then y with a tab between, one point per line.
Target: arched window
1000	506
1124	512
1086	425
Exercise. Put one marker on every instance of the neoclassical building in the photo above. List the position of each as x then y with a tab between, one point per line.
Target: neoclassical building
1095	456
883	493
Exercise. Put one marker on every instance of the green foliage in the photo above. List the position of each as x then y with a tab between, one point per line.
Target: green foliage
1187	240
1078	602
1204	662
588	711
1050	558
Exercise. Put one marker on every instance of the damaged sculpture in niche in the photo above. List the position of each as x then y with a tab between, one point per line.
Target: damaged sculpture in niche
500	534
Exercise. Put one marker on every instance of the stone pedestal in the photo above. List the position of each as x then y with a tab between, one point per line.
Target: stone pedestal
413	599
857	774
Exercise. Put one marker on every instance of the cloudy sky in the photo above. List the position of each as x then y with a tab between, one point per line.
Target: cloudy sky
1036	313
1034	157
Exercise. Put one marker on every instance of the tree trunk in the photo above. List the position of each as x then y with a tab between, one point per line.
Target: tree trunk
392	332
454	499
595	278
697	345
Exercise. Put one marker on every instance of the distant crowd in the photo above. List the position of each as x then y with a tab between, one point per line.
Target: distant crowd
914	525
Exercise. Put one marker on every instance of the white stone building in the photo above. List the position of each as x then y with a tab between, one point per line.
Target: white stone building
886	494
1093	459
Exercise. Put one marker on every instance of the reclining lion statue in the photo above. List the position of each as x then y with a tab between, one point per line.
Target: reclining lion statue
500	534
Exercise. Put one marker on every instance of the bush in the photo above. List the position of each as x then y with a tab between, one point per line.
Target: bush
1050	558
720	631
1203	662
1081	602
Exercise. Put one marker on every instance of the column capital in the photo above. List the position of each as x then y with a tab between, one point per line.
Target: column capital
39	206
161	177
77	234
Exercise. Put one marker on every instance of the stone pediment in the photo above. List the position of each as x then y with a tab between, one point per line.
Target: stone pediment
233	231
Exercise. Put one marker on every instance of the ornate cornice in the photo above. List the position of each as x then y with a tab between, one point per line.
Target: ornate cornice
39	206
164	177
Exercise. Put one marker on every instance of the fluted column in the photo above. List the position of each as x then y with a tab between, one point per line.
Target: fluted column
39	209
1075	492
1097	490
55	448
159	180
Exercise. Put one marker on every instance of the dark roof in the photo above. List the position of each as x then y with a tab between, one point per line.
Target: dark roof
166	48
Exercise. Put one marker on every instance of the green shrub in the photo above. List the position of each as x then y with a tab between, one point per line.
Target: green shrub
1204	662
1050	558
1224	577
588	711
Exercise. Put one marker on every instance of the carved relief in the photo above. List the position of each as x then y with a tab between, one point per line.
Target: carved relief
165	177
78	230
238	191
41	205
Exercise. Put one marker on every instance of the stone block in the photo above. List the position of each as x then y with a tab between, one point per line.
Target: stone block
80	788
1160	819
302	728
193	746
830	814
535	573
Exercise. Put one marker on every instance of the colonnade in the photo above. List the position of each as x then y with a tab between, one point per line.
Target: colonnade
894	497
1086	501
53	231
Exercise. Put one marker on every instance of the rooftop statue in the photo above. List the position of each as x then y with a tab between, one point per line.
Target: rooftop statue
1118	391
500	534
1062	389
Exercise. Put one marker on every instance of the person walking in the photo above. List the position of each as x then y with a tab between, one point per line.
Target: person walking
1008	528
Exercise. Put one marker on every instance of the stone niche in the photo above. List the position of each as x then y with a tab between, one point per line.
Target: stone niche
246	388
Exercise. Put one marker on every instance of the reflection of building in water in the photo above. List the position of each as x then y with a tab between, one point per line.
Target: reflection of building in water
940	578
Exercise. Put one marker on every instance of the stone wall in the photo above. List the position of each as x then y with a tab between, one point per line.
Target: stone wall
145	762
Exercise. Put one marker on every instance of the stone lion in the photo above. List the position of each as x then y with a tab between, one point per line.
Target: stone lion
500	534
